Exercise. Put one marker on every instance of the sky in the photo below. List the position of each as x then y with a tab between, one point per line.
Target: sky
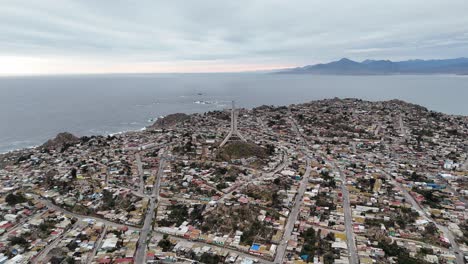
146	36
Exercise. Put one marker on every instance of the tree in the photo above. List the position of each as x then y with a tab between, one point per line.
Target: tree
165	244
73	173
210	258
21	241
309	243
430	229
108	199
13	199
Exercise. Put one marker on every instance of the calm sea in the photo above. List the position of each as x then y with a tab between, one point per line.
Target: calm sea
34	109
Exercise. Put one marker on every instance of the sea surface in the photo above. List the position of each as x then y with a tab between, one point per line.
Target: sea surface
34	109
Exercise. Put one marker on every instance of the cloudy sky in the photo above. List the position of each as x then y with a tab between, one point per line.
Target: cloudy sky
106	36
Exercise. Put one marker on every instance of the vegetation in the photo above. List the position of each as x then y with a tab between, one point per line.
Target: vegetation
254	231
314	245
329	181
165	243
178	214
393	250
45	228
209	258
21	241
13	199
431	197
109	201
170	120
228	219
240	149
309	243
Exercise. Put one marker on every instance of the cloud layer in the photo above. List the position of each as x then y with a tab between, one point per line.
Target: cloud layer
65	36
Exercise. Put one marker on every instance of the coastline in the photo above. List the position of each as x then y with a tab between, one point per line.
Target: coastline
105	135
132	130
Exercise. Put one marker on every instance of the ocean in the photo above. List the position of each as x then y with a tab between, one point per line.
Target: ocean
34	109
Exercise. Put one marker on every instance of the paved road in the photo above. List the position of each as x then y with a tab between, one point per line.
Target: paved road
402	126
80	217
348	217
450	188
353	145
447	233
19	224
140	255
149	146
281	250
353	254
140	172
43	253
464	166
97	246
238	252
219	163
264	175
136	193
377	129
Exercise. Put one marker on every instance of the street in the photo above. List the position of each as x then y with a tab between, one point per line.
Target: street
348	218
140	255
447	233
281	250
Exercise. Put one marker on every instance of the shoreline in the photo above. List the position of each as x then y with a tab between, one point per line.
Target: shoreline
145	127
104	135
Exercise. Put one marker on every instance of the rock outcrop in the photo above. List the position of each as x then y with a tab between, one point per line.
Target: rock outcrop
169	121
61	141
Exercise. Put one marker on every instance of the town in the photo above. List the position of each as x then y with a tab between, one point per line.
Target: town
328	181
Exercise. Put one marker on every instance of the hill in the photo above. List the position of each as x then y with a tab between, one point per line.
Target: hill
169	120
383	67
61	141
240	149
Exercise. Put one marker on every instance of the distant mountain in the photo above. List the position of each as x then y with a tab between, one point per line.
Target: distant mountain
382	67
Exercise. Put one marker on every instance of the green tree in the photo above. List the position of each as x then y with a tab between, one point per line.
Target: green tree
13	199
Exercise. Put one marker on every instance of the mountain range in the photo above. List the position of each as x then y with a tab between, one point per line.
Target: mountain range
383	67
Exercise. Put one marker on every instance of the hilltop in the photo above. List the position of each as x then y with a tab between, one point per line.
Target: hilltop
169	120
62	140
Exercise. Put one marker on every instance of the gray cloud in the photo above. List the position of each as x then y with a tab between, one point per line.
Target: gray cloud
243	31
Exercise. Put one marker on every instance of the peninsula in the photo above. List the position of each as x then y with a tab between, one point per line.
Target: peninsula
328	181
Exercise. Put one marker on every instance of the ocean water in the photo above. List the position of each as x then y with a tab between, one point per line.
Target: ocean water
34	109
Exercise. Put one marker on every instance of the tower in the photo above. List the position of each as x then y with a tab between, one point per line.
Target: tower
233	131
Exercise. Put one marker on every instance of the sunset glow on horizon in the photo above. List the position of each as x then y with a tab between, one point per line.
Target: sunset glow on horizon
24	66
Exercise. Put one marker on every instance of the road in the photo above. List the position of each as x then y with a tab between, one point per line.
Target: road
265	175
80	217
377	129
43	253
464	166
97	246
23	220
148	146
140	173
281	250
402	126
238	252
136	193
353	145
353	254
447	233
219	163
348	218
140	255
451	189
